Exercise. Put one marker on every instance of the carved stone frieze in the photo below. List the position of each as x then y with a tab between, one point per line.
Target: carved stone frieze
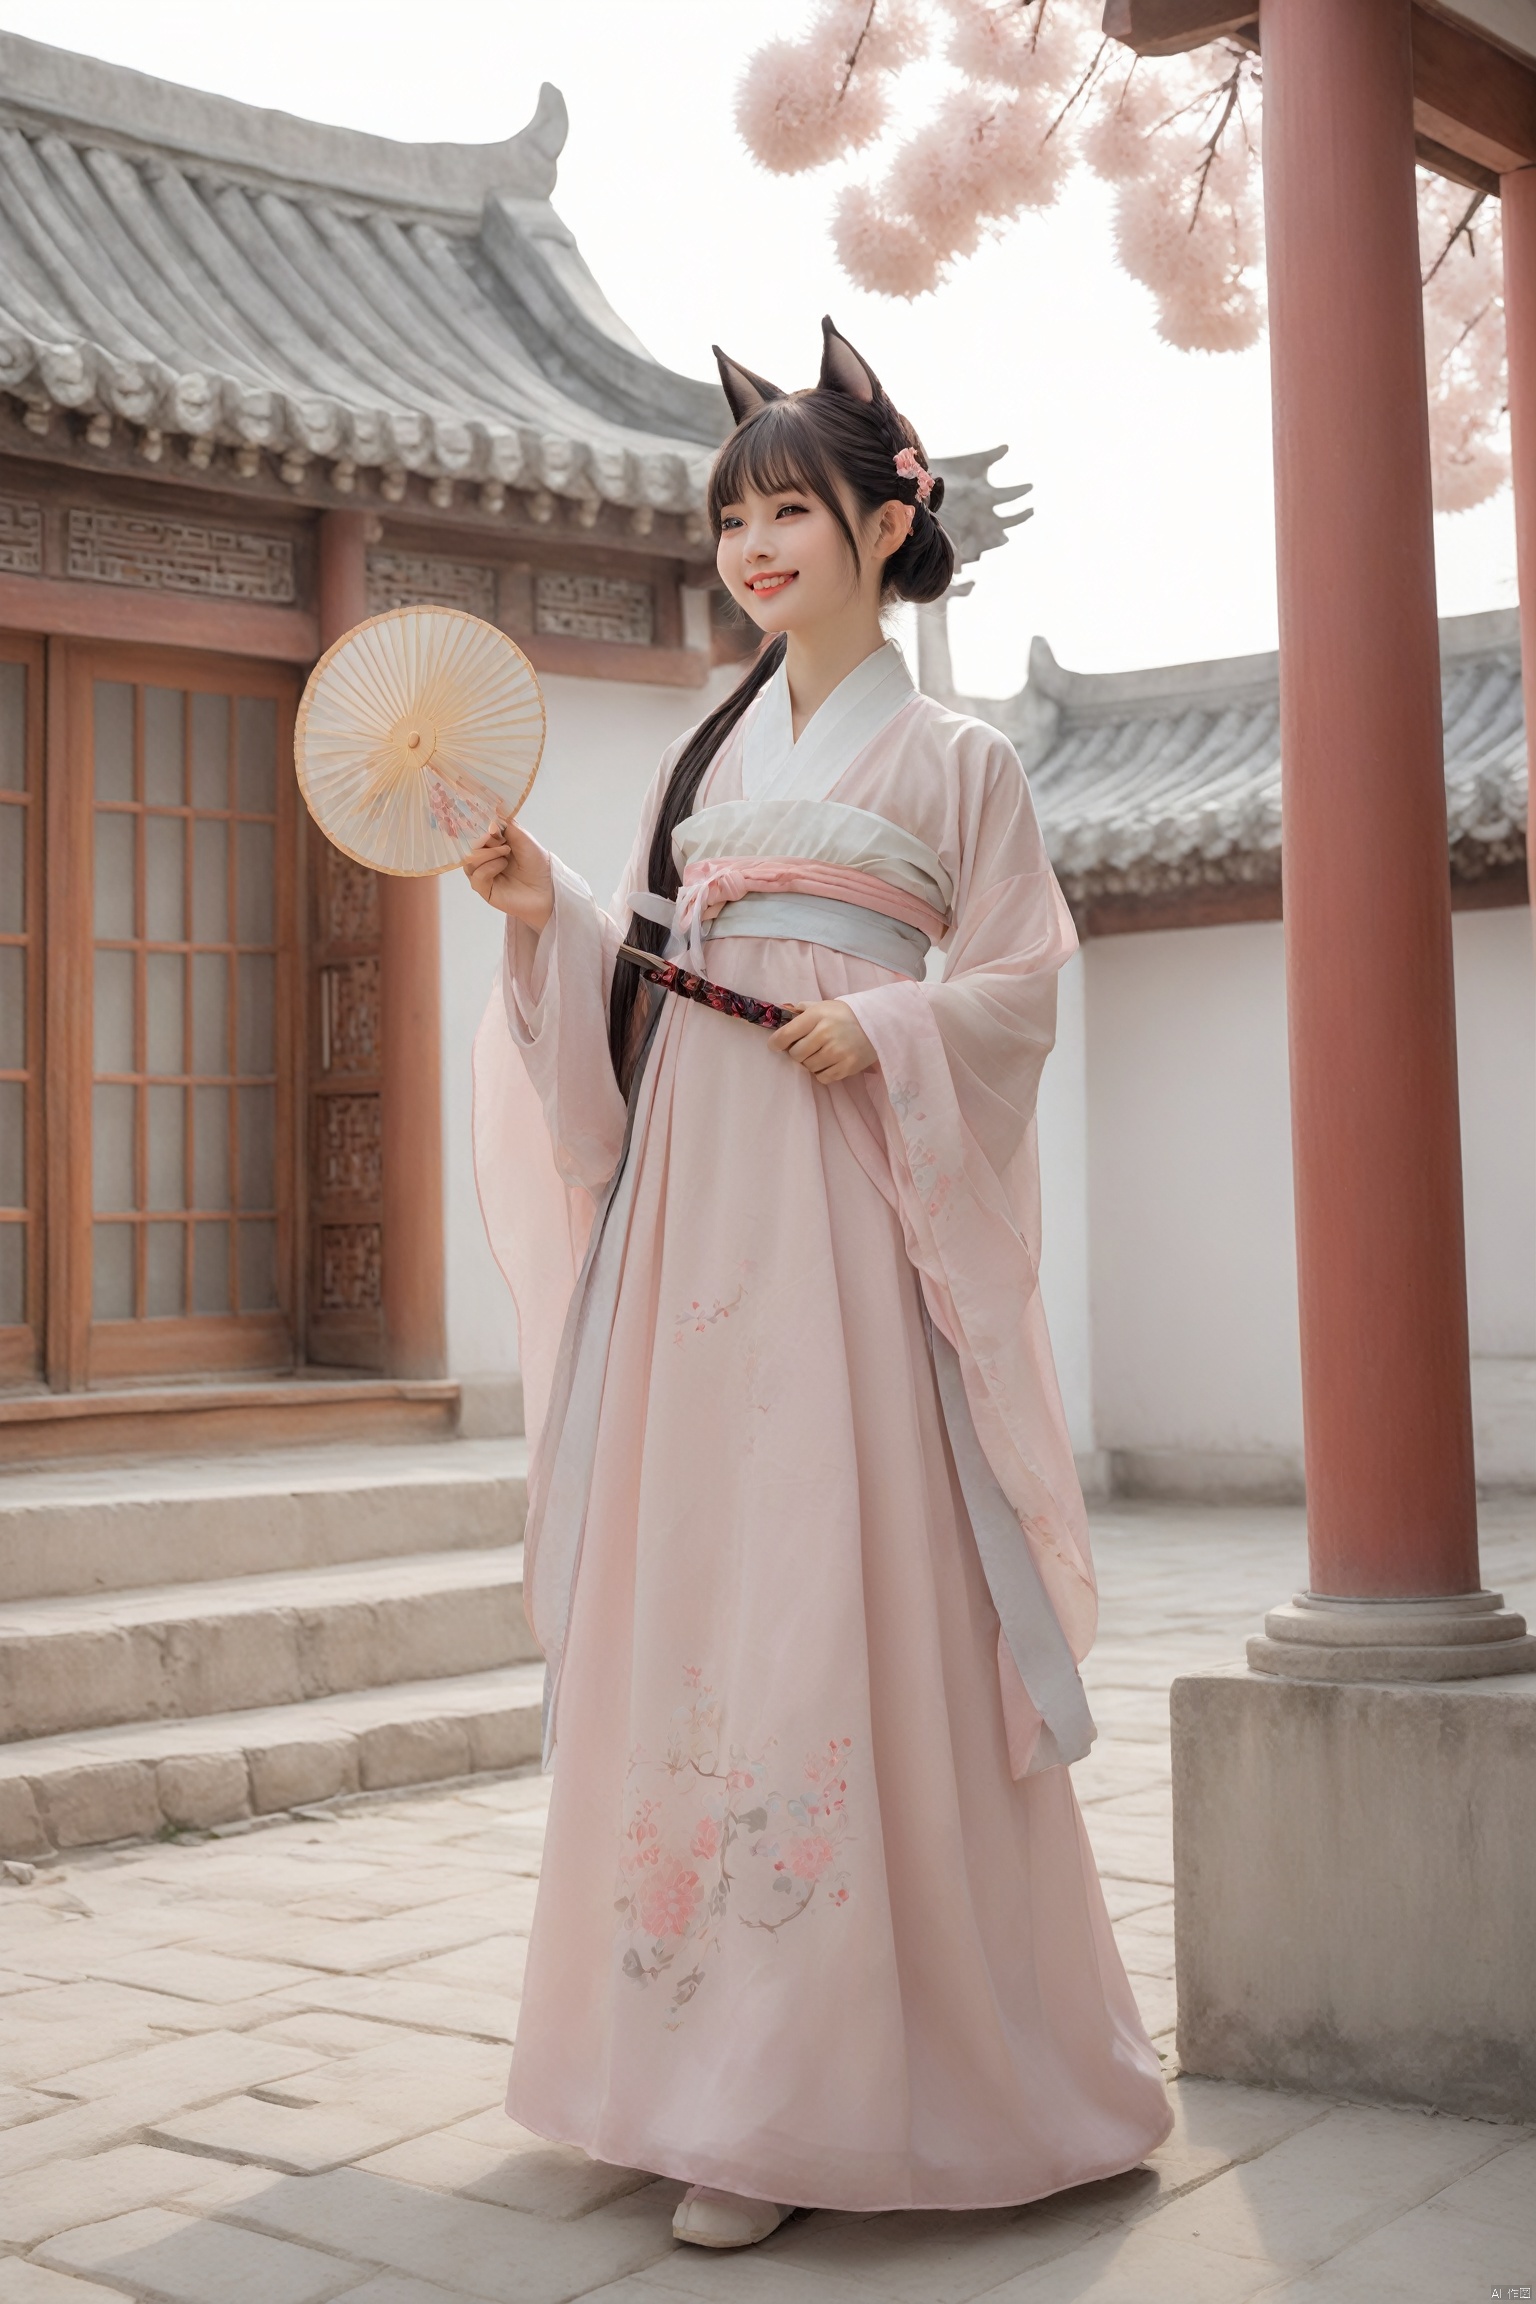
21	537
410	579
351	1267
570	606
160	555
349	1017
351	1147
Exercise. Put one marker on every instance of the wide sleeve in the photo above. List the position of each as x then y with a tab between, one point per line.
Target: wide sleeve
548	1116
959	1069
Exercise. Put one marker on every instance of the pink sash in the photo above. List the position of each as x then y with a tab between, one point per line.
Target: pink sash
712	882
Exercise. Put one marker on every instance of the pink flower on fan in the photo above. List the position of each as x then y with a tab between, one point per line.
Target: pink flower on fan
706	1838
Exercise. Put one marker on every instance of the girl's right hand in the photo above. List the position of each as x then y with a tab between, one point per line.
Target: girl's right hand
512	872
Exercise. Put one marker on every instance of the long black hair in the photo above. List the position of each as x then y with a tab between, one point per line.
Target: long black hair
842	434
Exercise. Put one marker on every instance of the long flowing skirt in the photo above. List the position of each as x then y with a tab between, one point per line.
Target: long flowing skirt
800	1933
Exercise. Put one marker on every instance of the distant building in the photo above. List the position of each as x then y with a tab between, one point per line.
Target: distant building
258	377
1165	1116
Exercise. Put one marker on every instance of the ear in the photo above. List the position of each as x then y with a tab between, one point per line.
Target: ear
843	369
745	392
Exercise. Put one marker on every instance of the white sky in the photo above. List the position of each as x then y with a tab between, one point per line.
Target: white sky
1152	540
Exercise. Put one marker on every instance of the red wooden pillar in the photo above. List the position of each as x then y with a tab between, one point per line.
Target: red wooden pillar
1518	191
410	1026
1385	1376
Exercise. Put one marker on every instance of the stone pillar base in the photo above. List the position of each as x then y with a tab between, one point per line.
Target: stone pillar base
1465	1636
1355	1887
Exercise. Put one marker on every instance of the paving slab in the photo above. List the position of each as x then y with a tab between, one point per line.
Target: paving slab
1322	2188
1435	2251
23	2283
155	2252
497	2254
516	2170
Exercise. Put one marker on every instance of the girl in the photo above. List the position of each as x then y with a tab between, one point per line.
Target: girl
806	1555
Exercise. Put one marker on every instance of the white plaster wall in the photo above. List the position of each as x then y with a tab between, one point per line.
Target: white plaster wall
604	740
1496	1048
1063	1130
1191	1232
1191	1236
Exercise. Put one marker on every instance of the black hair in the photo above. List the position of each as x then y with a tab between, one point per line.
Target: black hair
824	440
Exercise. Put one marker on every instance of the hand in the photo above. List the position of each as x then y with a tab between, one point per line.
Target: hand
511	871
827	1038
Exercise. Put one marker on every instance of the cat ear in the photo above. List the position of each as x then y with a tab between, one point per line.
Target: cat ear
745	392
844	370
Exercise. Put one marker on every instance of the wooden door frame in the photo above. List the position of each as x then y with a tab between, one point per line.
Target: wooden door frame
80	1350
21	1348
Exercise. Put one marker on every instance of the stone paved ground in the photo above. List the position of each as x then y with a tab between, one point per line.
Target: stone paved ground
267	2068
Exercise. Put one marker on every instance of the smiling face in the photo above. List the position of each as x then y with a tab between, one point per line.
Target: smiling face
784	558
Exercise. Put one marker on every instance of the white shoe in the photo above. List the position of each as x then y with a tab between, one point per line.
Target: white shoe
724	2219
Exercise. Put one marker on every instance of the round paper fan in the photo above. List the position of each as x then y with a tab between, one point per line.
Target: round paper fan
417	731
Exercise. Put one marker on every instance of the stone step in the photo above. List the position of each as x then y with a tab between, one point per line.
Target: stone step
92	1528
127	1783
189	1650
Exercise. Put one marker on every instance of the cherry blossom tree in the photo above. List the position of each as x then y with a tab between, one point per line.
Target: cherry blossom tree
1031	90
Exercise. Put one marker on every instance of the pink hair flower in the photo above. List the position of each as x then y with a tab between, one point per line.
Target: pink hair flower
910	469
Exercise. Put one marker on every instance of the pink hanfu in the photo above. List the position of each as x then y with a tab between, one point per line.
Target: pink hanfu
818	1922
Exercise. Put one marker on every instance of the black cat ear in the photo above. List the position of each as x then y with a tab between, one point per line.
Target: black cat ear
844	370
745	392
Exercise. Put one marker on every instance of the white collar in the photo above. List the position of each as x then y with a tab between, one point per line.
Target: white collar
775	767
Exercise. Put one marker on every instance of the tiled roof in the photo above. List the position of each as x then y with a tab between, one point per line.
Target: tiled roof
242	278
1153	782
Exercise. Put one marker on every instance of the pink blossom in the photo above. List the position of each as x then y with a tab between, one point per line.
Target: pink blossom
879	251
1040	92
1203	274
1464	346
794	111
810	1855
894	35
668	1902
1048	48
706	1838
739	1780
1116	138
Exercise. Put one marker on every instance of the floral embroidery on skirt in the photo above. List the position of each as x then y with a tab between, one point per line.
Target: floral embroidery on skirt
711	1842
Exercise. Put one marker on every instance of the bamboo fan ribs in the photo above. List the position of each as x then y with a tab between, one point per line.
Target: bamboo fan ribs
417	731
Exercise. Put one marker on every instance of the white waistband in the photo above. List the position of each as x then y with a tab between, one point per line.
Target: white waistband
850	928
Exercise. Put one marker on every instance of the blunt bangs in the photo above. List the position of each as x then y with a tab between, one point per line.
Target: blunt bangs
777	453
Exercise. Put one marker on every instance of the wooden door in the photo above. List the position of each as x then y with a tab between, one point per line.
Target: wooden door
178	1182
21	1007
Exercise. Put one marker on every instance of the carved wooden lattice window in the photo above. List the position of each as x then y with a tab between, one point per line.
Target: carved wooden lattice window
346	1325
21	1273
192	1161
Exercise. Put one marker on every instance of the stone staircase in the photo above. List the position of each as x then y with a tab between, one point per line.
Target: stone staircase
192	1643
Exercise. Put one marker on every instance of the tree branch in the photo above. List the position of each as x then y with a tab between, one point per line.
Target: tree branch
1461	230
853	54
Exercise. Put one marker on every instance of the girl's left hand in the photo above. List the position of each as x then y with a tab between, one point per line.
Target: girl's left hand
827	1038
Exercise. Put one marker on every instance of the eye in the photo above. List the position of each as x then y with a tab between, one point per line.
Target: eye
790	511
729	520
